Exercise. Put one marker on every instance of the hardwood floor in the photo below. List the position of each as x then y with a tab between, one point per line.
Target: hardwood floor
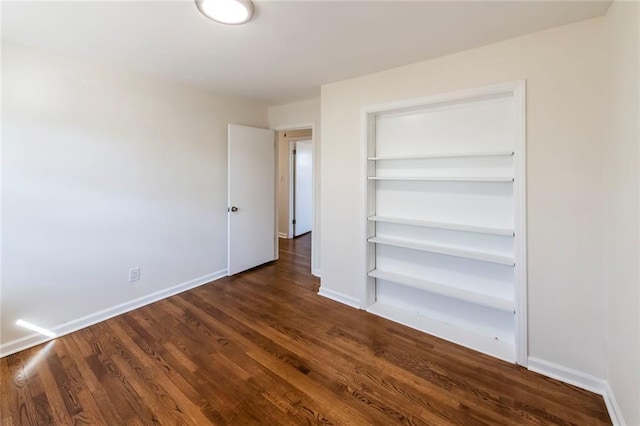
263	348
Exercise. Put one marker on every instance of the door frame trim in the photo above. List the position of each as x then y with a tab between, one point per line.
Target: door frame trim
291	231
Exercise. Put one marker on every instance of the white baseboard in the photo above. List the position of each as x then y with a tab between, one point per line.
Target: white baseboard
283	235
567	375
581	380
88	320
612	406
339	297
316	273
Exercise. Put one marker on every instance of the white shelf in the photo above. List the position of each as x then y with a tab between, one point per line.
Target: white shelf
474	337
444	178
445	155
450	251
441	225
444	290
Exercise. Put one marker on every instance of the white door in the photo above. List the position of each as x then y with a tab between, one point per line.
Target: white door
251	208
303	187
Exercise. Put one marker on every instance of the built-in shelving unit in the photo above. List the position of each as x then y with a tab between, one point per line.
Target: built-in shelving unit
446	218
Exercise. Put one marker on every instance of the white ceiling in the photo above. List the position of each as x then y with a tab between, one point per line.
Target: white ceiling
289	49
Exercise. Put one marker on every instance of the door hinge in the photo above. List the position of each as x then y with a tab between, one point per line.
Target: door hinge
293	221
294	152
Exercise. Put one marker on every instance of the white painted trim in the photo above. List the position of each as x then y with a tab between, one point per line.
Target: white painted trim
292	189
476	92
276	181
229	197
368	133
316	272
520	224
105	314
301	126
340	297
567	375
612	406
283	235
581	380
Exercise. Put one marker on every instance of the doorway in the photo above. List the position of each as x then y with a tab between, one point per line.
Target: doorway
295	182
278	207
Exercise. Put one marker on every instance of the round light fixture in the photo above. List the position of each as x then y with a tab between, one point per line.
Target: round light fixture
231	12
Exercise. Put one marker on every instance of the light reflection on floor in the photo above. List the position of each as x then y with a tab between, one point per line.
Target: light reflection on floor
38	357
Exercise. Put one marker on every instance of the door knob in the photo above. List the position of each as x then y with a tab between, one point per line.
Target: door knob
232	209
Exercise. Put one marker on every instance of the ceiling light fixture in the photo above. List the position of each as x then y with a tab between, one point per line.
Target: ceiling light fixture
231	12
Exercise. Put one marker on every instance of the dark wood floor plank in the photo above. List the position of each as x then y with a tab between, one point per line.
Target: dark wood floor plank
316	345
176	367
329	405
362	375
36	388
181	372
180	397
249	340
204	377
316	352
262	347
332	383
20	402
7	396
252	343
577	415
326	348
220	347
128	404
467	388
158	401
92	387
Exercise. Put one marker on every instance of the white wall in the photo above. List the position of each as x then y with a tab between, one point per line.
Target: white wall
104	171
295	113
564	72
304	113
622	214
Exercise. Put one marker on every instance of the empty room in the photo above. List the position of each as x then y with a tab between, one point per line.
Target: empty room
243	212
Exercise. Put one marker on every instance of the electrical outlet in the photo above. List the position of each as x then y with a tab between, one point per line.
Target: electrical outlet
134	274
